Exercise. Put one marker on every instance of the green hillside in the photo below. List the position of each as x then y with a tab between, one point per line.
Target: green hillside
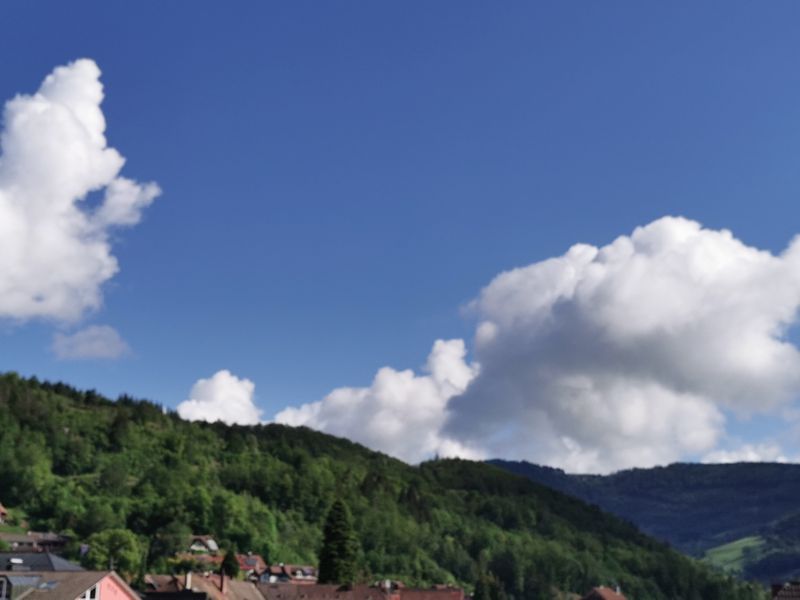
733	556
74	461
741	517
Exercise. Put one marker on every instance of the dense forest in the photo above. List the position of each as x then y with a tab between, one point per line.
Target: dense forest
76	462
743	516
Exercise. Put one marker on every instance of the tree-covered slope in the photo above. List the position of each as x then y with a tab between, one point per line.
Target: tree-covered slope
74	461
746	514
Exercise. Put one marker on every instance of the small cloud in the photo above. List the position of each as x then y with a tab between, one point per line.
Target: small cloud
747	453
223	397
95	341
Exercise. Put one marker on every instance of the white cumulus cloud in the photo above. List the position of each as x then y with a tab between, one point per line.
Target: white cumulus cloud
223	397
55	252
95	341
401	413
630	354
766	452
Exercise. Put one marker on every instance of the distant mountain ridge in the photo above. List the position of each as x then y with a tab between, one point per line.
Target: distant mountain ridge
699	507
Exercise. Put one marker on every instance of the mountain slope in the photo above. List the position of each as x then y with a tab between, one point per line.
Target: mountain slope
75	461
700	508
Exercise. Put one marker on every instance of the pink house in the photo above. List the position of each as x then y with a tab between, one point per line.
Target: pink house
65	585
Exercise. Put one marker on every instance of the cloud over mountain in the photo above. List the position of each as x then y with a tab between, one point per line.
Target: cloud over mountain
626	355
223	397
766	452
631	354
401	413
55	252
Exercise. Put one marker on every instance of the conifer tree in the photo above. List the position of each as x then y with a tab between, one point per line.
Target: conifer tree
337	558
230	565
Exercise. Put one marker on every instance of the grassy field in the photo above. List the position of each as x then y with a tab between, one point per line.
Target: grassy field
731	557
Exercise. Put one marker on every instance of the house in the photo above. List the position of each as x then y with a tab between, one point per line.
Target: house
604	593
65	585
171	587
197	586
283	573
250	565
19	542
3	514
289	591
203	544
786	591
37	561
35	541
49	542
219	587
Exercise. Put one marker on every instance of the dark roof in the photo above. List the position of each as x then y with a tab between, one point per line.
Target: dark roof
36	561
34	539
292	572
12	538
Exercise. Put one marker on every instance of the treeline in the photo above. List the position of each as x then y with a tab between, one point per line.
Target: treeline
128	473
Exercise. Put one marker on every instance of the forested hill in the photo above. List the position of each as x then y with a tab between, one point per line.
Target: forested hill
76	462
746	516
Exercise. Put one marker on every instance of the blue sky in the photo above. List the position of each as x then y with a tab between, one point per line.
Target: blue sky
340	179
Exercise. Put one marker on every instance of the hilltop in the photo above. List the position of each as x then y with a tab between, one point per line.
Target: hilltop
76	462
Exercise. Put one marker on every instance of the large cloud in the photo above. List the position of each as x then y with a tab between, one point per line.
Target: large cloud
55	252
401	412
626	355
604	358
223	397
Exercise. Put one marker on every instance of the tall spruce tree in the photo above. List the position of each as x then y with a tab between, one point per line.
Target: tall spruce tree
230	565
337	558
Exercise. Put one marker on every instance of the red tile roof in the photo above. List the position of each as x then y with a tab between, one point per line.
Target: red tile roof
290	591
207	584
251	562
